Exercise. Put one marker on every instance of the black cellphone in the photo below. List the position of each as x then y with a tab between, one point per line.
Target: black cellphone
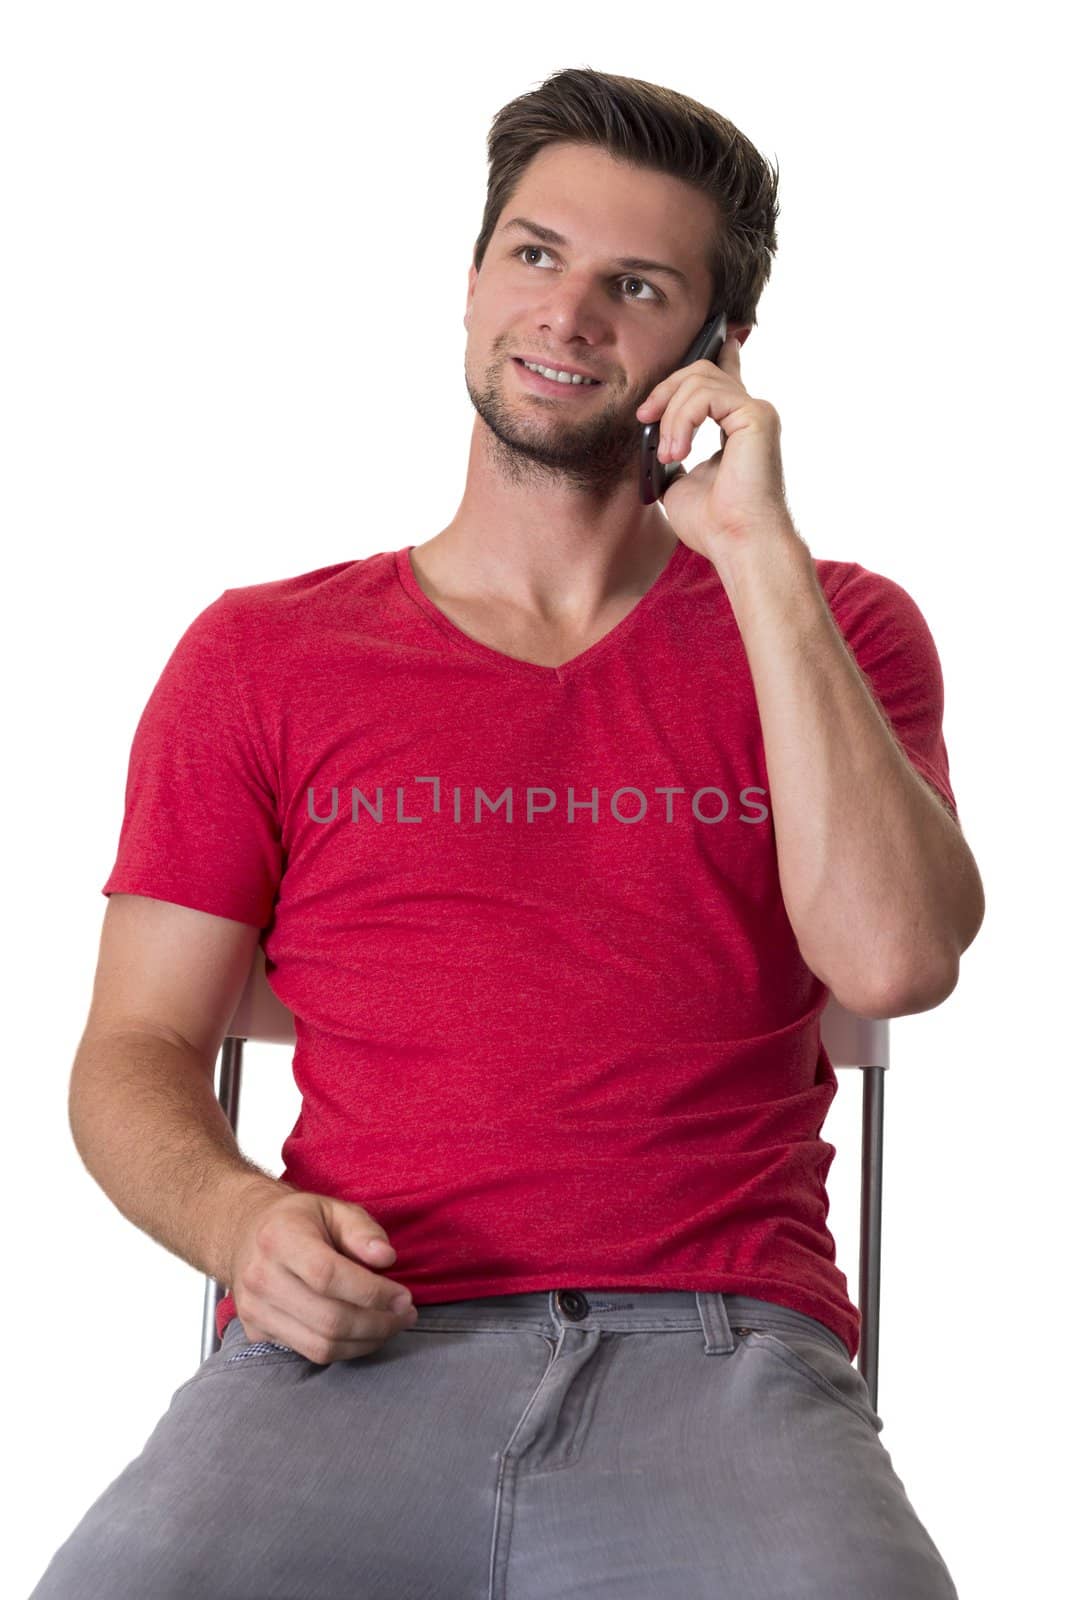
656	475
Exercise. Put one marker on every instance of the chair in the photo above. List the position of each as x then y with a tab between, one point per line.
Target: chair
850	1041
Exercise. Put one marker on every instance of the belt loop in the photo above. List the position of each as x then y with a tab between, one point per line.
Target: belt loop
718	1335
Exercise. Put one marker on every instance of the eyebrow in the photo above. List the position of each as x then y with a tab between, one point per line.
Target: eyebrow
631	263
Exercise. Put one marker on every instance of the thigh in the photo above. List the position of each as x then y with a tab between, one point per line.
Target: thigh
750	1473
274	1477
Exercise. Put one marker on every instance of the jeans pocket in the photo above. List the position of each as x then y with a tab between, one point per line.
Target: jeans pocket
236	1346
818	1357
262	1350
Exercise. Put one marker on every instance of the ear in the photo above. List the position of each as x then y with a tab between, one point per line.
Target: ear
740	330
472	279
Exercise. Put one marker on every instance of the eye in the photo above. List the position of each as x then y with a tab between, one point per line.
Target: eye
629	278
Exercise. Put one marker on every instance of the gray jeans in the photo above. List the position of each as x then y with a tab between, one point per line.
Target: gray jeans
568	1443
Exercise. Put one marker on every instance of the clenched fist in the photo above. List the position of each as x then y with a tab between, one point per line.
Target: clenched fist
295	1281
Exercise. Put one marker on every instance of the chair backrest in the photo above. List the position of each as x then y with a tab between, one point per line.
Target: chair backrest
259	1013
850	1041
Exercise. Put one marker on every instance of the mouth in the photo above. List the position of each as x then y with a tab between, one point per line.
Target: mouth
542	385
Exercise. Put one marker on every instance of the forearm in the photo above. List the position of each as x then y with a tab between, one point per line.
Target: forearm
878	882
148	1125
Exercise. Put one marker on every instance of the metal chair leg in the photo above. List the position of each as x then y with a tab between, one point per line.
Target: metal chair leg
871	1226
229	1099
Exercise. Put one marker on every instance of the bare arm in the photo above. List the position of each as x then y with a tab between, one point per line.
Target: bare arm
148	1125
143	1110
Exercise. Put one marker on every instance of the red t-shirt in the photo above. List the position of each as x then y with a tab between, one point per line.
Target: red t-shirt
543	1041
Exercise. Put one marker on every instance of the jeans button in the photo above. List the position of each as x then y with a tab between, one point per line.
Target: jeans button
573	1304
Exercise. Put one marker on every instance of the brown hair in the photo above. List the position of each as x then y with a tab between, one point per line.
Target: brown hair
664	131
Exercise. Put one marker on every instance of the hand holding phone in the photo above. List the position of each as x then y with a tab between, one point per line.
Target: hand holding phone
657	476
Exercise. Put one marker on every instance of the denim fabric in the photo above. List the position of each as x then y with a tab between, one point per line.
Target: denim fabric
575	1443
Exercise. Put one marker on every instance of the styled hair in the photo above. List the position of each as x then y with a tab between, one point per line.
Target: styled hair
664	131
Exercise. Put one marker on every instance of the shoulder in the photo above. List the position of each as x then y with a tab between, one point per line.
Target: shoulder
867	604
256	613
848	581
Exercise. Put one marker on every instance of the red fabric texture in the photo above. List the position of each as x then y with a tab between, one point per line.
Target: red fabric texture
543	1047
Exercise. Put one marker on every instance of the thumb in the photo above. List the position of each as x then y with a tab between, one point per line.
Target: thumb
360	1234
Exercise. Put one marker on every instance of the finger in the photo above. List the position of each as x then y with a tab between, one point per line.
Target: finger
331	1275
730	356
658	399
688	410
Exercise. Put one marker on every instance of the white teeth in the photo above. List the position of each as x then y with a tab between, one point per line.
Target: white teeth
558	377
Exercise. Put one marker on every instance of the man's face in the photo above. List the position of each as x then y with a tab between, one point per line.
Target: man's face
572	306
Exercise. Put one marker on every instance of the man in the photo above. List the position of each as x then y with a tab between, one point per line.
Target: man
559	829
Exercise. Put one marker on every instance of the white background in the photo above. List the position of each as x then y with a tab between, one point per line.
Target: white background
237	241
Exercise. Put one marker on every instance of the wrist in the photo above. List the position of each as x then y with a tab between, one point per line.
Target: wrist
774	555
250	1194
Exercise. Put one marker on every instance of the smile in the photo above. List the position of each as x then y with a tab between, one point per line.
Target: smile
537	380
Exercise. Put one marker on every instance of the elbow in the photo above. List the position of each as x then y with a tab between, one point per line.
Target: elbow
925	984
924	993
903	996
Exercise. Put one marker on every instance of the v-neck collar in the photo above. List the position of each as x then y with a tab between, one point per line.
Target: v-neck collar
405	573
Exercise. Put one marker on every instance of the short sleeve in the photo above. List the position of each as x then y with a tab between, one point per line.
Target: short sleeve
200	826
895	651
